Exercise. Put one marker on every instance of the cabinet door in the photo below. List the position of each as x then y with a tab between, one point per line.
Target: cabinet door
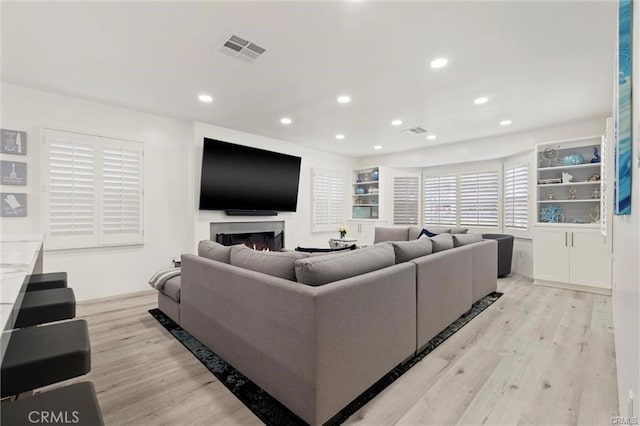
590	259
551	255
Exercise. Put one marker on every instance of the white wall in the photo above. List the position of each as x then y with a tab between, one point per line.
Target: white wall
102	272
297	224
626	276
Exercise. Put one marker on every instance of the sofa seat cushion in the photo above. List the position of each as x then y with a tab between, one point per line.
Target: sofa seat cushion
408	250
214	251
460	240
321	270
277	264
172	288
442	242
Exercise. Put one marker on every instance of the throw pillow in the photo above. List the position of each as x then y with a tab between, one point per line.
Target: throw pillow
442	242
214	251
459	230
426	234
324	250
460	240
408	250
438	229
321	270
276	264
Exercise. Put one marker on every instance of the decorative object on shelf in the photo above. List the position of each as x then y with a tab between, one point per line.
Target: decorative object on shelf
572	193
550	195
360	191
572	160
594	214
375	175
567	177
578	220
374	191
359	201
548	181
343	231
551	214
596	156
358	179
596	193
623	114
13	142
550	155
594	178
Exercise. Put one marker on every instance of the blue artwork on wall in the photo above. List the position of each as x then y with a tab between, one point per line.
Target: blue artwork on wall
623	124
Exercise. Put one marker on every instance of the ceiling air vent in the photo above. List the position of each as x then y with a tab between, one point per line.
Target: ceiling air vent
241	49
417	130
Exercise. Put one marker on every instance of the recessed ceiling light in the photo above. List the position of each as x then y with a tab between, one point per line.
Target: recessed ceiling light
396	122
480	101
339	136
344	99
207	99
439	62
377	147
505	122
286	121
431	137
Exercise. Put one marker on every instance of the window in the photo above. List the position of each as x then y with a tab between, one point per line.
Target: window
406	205
516	196
328	200
94	191
440	200
479	199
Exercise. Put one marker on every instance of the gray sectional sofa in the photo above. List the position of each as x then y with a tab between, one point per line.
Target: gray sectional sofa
317	331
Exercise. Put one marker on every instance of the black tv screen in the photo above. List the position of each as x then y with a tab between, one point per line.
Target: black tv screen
238	177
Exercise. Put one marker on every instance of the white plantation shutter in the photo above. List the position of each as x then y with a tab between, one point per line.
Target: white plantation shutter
516	196
440	200
328	200
121	194
406	192
479	199
93	191
71	197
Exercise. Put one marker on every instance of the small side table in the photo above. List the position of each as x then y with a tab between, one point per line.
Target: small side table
336	243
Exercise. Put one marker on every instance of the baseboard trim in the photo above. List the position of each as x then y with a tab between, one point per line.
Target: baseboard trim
574	287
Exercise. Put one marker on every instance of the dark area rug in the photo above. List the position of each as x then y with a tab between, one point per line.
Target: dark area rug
270	411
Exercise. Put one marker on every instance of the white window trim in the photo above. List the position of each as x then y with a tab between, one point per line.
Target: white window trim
516	160
334	224
99	238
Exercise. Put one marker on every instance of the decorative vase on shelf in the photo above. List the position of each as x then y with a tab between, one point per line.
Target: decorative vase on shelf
360	191
375	175
572	160
596	155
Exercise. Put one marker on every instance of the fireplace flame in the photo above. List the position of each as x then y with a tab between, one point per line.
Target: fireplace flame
263	249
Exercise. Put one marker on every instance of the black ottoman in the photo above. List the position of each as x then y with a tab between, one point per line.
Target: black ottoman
40	356
39	307
505	252
74	404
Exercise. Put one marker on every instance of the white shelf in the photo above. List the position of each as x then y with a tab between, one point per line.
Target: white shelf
365	195
365	205
591	200
577	166
595	182
371	182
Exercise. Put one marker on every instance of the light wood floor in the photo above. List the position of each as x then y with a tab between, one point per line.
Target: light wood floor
537	356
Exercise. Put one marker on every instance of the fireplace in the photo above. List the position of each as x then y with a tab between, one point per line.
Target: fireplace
256	235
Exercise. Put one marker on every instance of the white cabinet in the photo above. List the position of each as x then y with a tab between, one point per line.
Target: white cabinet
363	230
572	256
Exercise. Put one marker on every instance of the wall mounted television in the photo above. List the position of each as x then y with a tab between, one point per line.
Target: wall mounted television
246	180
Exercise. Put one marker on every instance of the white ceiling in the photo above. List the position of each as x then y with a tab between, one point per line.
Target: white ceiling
540	63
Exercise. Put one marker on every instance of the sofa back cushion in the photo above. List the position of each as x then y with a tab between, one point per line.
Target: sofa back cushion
414	232
390	234
464	239
321	270
408	250
214	251
442	242
276	264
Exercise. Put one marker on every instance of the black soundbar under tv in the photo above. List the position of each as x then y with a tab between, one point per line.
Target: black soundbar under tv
251	212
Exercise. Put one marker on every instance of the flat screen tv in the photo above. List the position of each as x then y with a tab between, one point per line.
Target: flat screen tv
238	177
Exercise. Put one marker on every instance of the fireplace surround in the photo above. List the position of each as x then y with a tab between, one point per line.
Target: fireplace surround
267	235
